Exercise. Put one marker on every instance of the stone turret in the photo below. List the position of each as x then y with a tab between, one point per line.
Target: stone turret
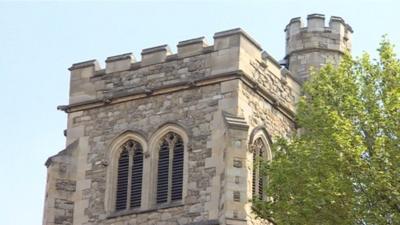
314	45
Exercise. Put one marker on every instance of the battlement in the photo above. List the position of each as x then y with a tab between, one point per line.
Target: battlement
336	36
316	23
234	53
149	56
162	53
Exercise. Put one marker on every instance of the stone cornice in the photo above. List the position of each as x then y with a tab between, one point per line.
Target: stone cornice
234	122
185	85
313	49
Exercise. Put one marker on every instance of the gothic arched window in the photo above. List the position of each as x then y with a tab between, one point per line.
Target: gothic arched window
129	178
258	181
170	168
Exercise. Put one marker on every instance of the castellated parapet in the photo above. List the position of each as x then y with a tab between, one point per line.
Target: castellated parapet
314	45
233	52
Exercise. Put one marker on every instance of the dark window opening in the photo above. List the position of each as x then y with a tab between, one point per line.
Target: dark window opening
170	169
129	178
258	180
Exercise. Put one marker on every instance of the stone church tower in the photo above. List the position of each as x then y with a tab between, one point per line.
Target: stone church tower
172	138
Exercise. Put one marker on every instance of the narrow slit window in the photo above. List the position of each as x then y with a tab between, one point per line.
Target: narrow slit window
122	183
258	181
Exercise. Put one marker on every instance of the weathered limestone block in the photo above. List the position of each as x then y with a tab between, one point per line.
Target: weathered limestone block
81	89
155	55
119	62
60	188
191	47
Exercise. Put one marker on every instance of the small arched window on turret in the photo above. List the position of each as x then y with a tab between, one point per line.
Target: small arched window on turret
258	180
170	169
129	178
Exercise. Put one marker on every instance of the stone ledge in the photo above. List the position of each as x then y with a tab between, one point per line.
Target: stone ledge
84	64
150	92
141	211
316	16
337	19
238	74
191	41
295	20
119	57
316	49
208	222
159	48
235	122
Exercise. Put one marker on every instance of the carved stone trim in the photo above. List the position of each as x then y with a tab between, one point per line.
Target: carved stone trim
234	122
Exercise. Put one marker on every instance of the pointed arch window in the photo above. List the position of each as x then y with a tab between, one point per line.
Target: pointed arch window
258	181
170	169
129	178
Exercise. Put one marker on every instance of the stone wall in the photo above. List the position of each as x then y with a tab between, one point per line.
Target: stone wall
193	110
260	115
60	188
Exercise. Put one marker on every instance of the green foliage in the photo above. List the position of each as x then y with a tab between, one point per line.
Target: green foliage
344	168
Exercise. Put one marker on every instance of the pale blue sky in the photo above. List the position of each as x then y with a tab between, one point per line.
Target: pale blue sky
39	41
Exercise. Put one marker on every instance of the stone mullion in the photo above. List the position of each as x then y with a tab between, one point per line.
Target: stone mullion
171	155
257	183
128	201
257	175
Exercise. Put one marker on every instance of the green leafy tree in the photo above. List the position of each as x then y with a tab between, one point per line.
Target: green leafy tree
344	167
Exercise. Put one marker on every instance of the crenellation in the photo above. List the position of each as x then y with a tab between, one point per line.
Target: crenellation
120	57
119	62
199	40
227	39
191	47
315	22
232	38
89	63
155	55
195	60
81	88
293	27
338	25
